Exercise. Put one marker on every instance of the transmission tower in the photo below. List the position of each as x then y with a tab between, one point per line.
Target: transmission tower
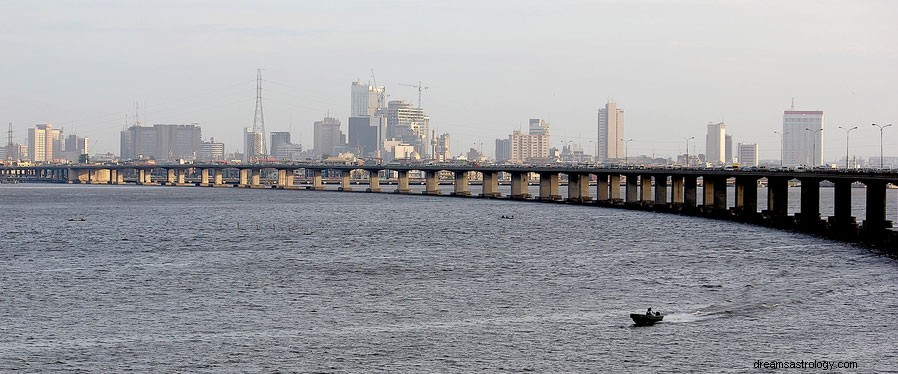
259	119
9	143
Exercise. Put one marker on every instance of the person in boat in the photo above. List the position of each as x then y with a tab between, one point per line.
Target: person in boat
657	314
649	312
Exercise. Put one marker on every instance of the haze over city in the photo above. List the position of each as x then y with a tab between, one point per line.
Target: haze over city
489	67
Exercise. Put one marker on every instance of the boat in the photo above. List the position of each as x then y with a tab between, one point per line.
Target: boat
642	319
507	217
77	220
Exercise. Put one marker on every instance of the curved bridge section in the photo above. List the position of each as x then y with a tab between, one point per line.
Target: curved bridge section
663	190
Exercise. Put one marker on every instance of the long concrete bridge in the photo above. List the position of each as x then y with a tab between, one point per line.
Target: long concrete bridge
664	190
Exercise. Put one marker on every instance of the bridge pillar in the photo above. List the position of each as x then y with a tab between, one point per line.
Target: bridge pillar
204	177
578	188
243	180
614	188
715	193
256	177
519	183
645	190
746	196
632	189
78	176
548	187
180	174
219	177
660	191
602	188
876	222
842	222
144	176
676	189
460	187
345	180
690	192
809	216
403	182
373	181
316	180
777	199
431	182
490	185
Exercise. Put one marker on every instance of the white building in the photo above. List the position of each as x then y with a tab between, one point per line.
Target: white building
748	154
530	147
610	144
802	137
715	143
366	99
44	143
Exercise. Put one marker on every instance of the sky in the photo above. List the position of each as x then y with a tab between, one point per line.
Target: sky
489	66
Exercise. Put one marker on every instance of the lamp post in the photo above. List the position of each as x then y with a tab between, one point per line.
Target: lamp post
782	146
626	153
814	146
881	127
847	132
687	148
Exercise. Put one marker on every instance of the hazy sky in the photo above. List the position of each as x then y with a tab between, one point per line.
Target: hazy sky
673	66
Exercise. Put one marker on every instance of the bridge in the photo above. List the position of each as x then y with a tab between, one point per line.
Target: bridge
673	190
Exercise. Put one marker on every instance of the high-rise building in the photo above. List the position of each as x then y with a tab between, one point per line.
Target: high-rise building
728	149
366	135
715	143
366	99
74	147
328	136
161	142
802	137
409	125
442	152
532	147
748	154
610	144
282	147
253	145
503	150
211	151
44	143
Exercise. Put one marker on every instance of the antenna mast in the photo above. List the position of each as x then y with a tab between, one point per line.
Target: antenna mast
9	143
259	119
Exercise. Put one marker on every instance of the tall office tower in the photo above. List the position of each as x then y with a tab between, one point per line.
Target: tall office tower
728	149
532	147
610	145
748	154
442	152
802	137
715	143
44	143
503	150
278	143
252	145
74	146
211	151
366	135
161	142
409	125
366	99
327	136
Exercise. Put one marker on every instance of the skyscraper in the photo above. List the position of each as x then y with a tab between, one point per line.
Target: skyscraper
327	136
44	143
409	125
802	137
530	147
610	145
715	143
161	142
748	154
366	99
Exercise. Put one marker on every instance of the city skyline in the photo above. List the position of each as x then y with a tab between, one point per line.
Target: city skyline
193	62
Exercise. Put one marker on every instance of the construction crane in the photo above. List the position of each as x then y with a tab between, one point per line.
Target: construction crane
419	87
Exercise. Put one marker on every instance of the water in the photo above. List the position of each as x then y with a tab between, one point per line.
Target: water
169	279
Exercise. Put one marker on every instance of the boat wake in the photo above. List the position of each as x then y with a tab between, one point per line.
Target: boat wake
719	311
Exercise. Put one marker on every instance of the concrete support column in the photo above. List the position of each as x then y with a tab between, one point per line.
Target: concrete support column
431	182
676	189
876	222
720	194
243	180
219	176
632	189
645	189
113	176
256	177
809	216
282	178
204	177
345	180
602	187
490	184
690	192
403	182
842	203
78	176
289	175
614	187
170	177
519	183
661	190
746	196
180	175
373	181
316	180
573	188
548	187
778	197
120	177
460	187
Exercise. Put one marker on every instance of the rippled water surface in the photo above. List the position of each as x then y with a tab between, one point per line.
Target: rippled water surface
168	279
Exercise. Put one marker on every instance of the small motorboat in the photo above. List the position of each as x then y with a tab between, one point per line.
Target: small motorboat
77	220
507	217
642	319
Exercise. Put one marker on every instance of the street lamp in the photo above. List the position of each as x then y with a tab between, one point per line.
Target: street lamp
814	147
782	146
626	153
687	148
847	132
881	127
